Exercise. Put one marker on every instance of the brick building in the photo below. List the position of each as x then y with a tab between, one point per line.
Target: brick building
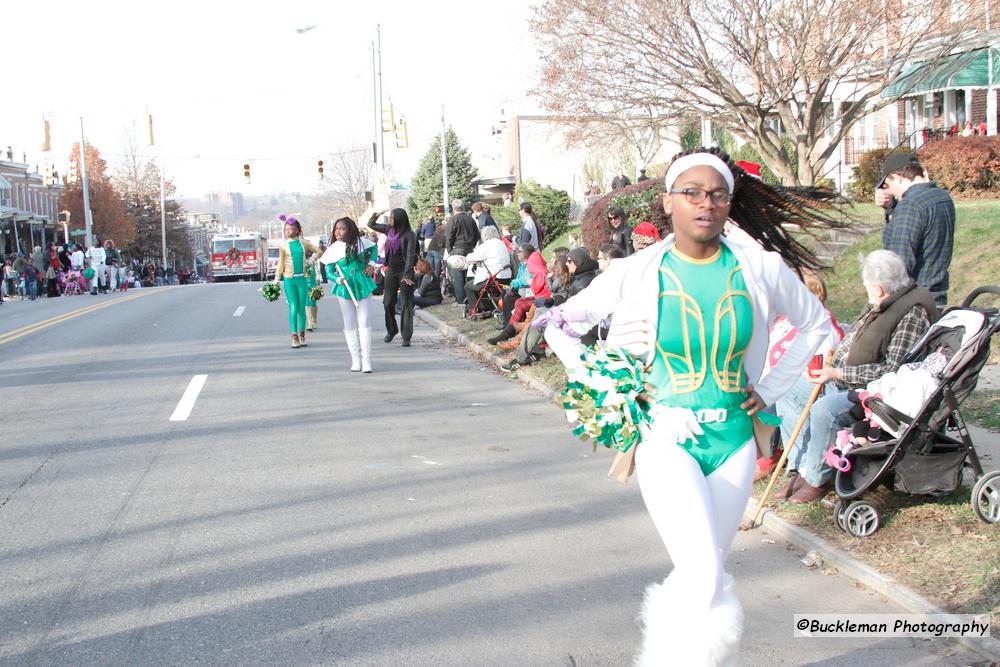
29	209
941	93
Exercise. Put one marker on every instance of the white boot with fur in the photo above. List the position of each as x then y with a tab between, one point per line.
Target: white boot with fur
675	634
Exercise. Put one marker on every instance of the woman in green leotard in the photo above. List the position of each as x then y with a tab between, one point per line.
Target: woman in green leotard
697	308
294	257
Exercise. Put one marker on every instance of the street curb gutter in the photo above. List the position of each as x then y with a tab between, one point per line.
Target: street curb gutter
889	588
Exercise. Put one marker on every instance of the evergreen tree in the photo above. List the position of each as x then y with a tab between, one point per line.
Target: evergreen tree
426	185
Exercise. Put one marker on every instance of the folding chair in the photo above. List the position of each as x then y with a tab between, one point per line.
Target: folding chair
490	294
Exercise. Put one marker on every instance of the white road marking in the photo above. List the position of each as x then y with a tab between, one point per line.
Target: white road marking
239	311
186	404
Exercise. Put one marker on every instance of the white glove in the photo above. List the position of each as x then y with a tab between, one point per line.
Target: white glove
676	425
633	336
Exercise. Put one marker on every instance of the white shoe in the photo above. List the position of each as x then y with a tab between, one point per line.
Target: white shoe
354	345
366	350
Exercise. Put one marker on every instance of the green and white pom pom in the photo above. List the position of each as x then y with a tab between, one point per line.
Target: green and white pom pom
601	399
270	292
316	293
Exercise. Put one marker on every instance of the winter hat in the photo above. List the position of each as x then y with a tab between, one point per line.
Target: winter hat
752	168
646	231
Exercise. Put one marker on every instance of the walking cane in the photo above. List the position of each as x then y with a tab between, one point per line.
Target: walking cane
344	282
784	455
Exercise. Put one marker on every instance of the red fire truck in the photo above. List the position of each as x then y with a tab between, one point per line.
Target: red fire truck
239	256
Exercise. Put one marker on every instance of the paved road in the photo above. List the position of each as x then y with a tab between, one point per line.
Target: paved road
432	513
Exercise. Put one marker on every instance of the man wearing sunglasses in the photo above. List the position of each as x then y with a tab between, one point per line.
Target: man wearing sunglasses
621	232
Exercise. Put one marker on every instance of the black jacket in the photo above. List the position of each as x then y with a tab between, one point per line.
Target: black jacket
622	237
463	234
486	220
582	277
430	287
401	262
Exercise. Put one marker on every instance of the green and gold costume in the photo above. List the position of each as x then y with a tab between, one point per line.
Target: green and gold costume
704	326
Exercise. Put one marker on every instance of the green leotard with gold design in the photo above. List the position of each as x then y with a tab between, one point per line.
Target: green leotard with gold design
704	326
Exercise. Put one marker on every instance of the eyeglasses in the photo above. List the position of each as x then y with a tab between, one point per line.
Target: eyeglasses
697	195
612	217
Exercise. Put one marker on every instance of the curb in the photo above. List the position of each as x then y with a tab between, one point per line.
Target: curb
888	587
903	597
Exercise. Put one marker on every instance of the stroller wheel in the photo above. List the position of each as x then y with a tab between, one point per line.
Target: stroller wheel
839	511
861	519
986	497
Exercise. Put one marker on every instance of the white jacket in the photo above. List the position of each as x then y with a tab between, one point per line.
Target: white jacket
492	257
629	291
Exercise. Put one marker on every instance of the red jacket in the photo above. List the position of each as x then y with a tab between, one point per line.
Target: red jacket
539	272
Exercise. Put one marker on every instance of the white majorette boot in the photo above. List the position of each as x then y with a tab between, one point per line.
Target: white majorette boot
366	350
673	633
354	345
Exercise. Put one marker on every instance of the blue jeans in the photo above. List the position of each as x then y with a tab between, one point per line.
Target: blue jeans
789	407
458	284
829	414
434	257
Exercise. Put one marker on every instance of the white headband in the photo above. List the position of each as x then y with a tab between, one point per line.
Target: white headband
686	162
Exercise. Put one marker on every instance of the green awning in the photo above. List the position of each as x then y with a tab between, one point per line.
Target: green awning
968	69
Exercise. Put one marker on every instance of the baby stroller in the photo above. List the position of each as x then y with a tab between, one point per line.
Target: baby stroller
72	284
926	453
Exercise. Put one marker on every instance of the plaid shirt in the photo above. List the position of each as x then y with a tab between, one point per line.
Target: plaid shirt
921	231
909	330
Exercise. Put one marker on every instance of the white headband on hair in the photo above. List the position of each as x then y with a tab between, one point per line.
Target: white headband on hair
686	162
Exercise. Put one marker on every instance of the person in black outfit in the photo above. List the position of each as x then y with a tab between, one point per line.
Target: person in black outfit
621	232
400	255
463	236
620	181
428	292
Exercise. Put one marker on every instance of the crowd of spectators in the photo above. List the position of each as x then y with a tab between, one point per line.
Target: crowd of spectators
73	269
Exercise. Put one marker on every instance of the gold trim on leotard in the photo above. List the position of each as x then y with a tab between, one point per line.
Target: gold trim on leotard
729	381
688	380
691	260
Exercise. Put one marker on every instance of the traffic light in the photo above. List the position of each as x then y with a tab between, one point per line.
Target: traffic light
246	171
74	172
48	174
319	168
402	141
388	120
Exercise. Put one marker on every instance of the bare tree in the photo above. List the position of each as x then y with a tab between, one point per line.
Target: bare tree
761	68
349	174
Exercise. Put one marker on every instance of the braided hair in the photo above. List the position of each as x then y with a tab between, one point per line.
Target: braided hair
351	239
765	211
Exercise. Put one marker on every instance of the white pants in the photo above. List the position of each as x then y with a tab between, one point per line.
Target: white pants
355	317
693	617
697	516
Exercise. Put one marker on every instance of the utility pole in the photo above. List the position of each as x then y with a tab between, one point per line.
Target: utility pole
444	163
88	217
163	196
381	135
376	109
163	217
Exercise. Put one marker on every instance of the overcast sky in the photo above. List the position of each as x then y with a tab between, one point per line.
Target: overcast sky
230	81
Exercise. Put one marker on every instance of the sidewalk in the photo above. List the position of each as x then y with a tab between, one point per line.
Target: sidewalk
987	445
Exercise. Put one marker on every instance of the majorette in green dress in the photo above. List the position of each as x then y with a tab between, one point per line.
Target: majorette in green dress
351	266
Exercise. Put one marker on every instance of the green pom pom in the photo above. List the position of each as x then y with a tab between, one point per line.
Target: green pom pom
316	293
601	399
270	292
